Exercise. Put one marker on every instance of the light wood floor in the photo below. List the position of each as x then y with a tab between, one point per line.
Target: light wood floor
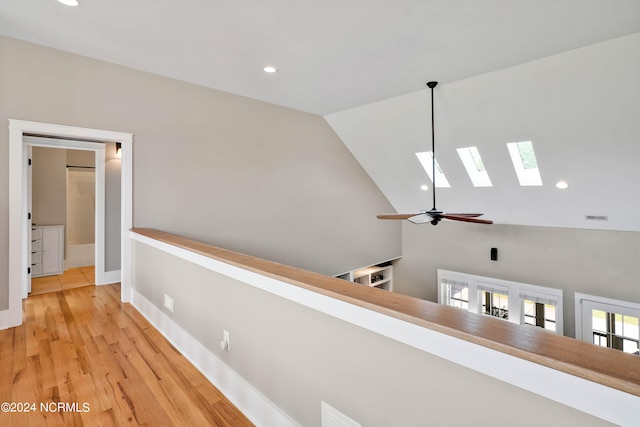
71	279
83	348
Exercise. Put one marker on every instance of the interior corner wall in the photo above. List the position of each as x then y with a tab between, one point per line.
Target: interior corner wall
596	262
231	171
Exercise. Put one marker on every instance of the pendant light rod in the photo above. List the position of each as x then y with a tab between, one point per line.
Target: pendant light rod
431	85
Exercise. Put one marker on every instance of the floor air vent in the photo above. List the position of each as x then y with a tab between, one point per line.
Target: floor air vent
331	417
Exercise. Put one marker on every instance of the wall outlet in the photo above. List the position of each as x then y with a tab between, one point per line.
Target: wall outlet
168	302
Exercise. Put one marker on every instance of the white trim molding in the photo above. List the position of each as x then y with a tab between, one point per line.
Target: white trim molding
113	276
18	222
255	406
516	292
600	303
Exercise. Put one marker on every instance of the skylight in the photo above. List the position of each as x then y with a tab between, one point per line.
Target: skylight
472	162
426	159
525	163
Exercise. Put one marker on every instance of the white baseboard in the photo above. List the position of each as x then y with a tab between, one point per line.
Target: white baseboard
260	410
4	319
110	277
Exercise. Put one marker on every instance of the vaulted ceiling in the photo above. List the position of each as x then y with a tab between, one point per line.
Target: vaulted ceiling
509	71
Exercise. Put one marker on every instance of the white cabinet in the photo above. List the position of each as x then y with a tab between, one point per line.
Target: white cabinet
378	276
47	250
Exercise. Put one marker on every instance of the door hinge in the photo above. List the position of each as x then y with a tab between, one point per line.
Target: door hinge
28	270
29	215
29	162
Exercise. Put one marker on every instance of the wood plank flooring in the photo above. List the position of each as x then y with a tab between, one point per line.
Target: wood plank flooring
82	358
71	279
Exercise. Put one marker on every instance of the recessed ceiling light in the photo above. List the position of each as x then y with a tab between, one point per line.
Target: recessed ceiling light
424	187
69	2
268	69
562	185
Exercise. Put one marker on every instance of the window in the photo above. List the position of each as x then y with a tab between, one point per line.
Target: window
516	302
525	163
608	323
472	162
456	293
426	160
494	301
539	314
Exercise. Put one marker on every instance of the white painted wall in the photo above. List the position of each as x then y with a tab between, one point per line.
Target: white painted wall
251	176
49	187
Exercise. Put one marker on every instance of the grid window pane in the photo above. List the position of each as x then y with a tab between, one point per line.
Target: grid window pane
495	304
550	317
538	314
616	331
457	294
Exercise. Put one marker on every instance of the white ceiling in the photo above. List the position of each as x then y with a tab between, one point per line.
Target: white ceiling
509	70
332	55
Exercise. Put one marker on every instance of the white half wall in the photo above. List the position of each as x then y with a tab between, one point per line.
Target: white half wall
297	348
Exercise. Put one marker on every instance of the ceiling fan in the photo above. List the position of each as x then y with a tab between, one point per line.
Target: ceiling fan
434	215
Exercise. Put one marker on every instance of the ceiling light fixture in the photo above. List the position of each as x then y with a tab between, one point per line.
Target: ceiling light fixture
562	185
71	3
269	69
424	187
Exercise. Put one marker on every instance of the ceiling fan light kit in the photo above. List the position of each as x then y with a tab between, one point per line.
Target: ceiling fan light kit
434	216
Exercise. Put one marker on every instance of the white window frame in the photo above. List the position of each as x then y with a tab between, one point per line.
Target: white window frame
515	290
479	178
584	303
443	292
526	177
426	160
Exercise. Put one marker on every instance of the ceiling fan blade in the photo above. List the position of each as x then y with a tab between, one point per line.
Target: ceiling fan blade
466	219
398	215
468	215
421	218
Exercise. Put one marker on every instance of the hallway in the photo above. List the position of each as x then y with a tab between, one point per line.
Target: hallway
104	364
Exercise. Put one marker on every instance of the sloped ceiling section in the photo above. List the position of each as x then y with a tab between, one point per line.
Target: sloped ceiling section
581	110
332	55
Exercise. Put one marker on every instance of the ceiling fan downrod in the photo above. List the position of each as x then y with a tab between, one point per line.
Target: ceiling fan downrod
434	216
431	85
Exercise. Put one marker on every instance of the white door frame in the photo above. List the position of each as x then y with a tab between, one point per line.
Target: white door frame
18	220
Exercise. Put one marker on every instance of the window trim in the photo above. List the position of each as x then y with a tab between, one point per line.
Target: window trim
479	177
514	290
426	158
586	301
527	177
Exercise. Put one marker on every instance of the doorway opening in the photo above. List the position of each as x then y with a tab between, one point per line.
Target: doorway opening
20	212
64	211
